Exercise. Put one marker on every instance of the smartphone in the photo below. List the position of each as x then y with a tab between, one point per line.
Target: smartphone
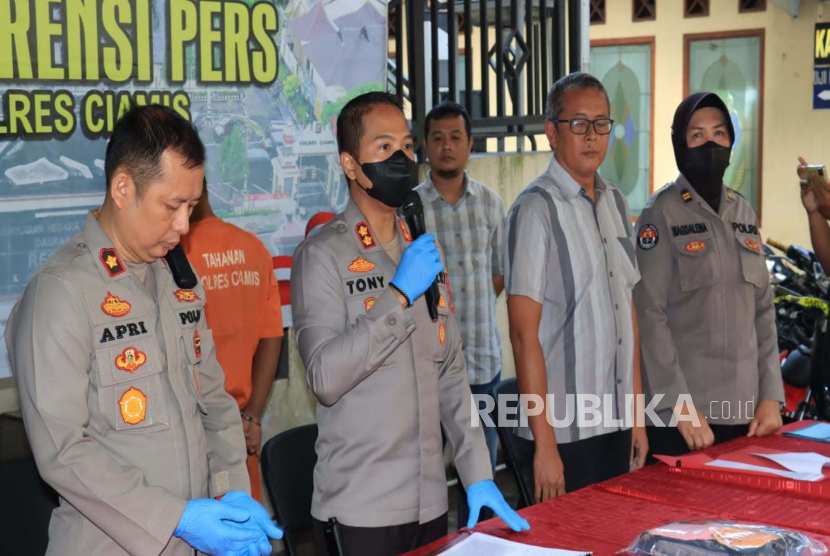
810	170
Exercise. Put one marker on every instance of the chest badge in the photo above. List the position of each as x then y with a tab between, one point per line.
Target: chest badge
753	245
197	344
130	359
442	335
695	246
133	404
186	296
361	265
404	231
366	238
370	301
648	237
114	306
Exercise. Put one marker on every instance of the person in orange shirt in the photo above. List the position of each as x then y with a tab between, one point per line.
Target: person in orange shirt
243	309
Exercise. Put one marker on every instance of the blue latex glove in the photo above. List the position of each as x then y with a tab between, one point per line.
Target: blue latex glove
486	493
259	516
220	529
419	266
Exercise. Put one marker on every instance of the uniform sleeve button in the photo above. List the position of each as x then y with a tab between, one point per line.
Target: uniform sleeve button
619	381
391	320
82	245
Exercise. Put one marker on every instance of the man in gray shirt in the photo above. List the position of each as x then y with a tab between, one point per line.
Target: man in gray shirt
570	270
466	218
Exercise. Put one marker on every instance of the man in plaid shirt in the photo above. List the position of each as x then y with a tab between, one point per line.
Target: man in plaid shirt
466	218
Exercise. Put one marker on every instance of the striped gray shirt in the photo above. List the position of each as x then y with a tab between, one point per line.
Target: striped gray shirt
577	260
470	235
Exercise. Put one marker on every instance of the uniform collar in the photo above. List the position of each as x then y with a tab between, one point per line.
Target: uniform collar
108	260
567	186
471	187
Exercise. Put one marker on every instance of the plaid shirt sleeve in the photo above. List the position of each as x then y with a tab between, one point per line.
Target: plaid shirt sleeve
497	238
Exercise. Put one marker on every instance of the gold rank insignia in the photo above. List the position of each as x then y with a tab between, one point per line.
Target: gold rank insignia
361	265
752	244
729	194
369	302
112	262
197	344
441	303
115	307
442	336
130	359
695	246
686	196
133	404
365	235
187	296
404	231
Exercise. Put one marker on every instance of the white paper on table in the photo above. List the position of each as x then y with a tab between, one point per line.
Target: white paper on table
809	477
799	462
479	544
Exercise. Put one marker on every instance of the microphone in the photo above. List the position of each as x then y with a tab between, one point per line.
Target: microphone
413	213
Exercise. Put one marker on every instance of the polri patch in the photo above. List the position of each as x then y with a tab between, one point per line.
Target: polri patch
186	296
695	246
133	404
130	359
114	306
648	237
753	245
361	265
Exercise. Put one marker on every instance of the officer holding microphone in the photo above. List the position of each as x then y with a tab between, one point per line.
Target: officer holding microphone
386	375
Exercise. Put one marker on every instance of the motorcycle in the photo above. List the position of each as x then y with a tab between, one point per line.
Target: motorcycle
802	314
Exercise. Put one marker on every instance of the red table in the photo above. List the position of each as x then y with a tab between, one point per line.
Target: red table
606	517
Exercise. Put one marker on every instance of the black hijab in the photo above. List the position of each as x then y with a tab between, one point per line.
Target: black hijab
705	165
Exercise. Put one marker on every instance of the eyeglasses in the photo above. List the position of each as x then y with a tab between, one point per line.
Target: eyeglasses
580	126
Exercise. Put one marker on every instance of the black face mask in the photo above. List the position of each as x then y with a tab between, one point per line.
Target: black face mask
391	179
704	167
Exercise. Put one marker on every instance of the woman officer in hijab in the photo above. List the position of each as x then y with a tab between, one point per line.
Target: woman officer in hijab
704	304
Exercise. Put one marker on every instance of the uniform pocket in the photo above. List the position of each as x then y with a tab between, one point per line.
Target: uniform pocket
130	393
697	262
753	260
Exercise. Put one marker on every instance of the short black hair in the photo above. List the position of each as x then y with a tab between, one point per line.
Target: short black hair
350	128
142	135
448	109
572	82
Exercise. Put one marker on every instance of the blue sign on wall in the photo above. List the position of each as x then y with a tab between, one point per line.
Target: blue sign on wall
821	88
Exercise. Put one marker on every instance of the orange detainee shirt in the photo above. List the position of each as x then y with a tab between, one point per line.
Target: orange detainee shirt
243	299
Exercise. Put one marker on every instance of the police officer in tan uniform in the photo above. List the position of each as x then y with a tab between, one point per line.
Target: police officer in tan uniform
122	397
707	321
386	376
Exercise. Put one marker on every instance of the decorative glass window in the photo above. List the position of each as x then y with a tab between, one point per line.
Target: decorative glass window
626	70
732	65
